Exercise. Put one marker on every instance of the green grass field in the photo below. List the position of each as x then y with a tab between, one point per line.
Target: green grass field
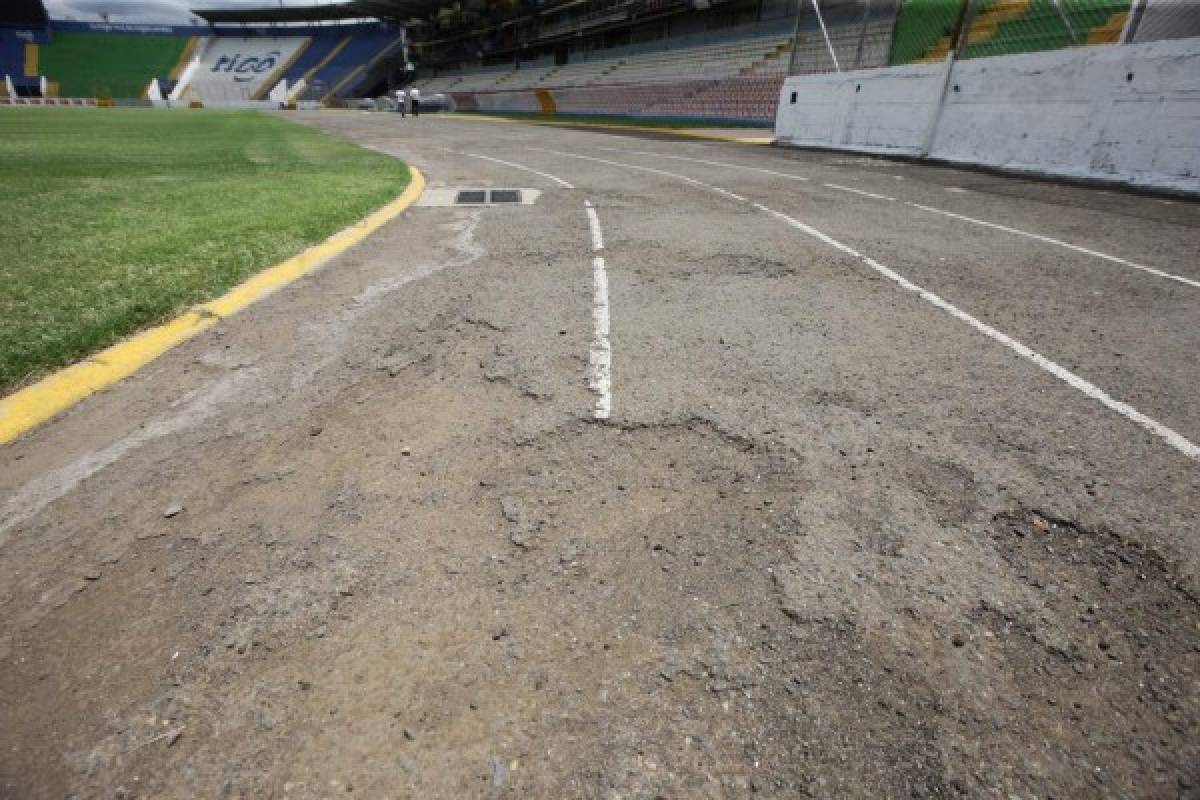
112	220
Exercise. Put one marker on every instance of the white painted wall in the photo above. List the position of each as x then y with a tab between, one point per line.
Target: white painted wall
507	101
1066	112
875	110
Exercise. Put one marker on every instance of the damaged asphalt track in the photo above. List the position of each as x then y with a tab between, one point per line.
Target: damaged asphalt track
689	494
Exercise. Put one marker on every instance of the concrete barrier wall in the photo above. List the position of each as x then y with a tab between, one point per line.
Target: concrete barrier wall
503	101
1123	113
876	110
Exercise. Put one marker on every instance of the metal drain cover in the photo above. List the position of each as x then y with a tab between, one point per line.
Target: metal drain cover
471	197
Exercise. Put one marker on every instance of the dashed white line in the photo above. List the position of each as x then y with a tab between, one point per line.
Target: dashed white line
684	178
1048	240
514	165
857	191
600	352
1089	389
594	224
787	175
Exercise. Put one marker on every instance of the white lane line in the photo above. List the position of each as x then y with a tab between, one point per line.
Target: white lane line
684	178
1039	237
600	352
1170	436
1015	231
787	175
594	224
857	191
546	175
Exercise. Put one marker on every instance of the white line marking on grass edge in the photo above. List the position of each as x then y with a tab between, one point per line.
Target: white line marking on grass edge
1171	437
1039	237
600	353
546	175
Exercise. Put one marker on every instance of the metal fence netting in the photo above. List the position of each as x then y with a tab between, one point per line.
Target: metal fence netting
836	35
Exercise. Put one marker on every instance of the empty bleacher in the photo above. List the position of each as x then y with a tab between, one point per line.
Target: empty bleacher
15	45
86	64
924	31
93	60
733	79
322	47
353	57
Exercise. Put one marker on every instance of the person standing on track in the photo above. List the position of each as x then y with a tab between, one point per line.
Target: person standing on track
414	94
401	102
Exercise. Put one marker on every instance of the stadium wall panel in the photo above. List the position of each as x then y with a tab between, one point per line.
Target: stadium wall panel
1123	113
880	110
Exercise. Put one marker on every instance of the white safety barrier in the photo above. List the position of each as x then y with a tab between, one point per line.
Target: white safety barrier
1120	113
90	102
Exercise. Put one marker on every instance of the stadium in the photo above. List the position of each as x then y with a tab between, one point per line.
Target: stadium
599	398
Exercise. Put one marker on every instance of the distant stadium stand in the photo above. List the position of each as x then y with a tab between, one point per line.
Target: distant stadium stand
88	64
350	65
243	68
211	65
695	59
238	69
323	47
925	28
23	28
735	79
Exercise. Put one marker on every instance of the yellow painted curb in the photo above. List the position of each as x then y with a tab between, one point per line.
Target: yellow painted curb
693	134
56	393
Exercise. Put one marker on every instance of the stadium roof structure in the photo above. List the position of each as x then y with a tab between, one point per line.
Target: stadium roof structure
398	10
23	12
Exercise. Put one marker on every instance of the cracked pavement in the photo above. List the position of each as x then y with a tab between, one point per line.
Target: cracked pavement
831	542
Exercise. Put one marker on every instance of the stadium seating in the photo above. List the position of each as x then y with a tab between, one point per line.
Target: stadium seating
351	59
13	48
737	79
856	46
85	64
86	60
320	50
924	30
236	69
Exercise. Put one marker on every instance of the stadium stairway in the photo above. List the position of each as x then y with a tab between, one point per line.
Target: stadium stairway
265	89
349	66
15	58
322	50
